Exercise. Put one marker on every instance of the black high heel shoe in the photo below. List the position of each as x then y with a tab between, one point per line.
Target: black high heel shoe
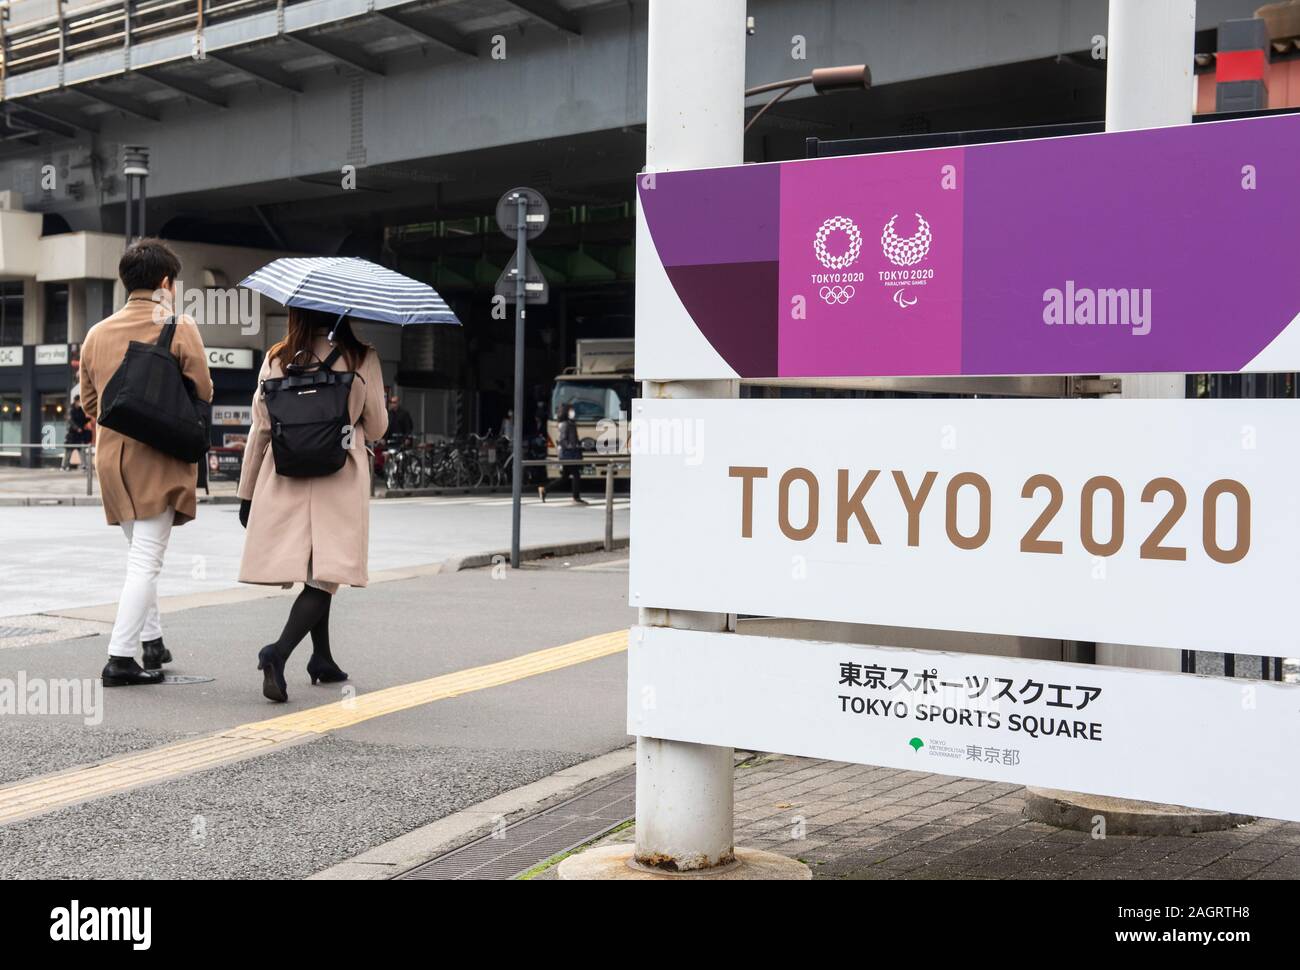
325	670
273	686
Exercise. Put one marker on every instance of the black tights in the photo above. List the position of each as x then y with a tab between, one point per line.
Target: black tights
310	613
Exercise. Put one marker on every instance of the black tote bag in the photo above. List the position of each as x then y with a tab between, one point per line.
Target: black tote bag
151	400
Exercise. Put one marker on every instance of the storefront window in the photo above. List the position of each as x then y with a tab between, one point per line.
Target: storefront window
11	423
54	417
56	313
11	314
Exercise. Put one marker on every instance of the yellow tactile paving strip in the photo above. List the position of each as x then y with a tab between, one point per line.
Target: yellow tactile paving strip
45	794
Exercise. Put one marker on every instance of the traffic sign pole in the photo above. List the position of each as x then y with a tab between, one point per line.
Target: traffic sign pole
522	214
517	471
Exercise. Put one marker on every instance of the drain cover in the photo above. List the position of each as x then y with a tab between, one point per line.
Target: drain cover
9	632
520	846
186	679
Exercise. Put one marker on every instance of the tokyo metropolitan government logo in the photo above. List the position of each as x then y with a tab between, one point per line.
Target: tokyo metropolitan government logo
837	246
906	252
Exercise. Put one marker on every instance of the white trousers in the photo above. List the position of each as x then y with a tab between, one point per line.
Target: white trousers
137	608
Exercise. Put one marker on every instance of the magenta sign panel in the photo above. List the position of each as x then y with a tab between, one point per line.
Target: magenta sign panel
1164	250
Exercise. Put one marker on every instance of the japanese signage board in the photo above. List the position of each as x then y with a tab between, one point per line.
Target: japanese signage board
232	414
230	358
1103	730
1167	523
1126	252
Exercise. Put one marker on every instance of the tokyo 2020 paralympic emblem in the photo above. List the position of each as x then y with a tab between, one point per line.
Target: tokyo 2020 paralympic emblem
906	251
837	288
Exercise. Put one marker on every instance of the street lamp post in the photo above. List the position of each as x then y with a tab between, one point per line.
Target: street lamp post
825	80
135	166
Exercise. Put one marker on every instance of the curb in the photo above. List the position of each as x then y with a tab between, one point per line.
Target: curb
435	492
430	841
104	612
479	559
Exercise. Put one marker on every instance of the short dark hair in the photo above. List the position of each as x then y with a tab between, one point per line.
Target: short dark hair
146	263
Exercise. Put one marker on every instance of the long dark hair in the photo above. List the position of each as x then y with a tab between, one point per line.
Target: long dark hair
301	334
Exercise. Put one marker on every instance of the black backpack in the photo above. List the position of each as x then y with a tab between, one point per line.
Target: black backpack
308	408
151	400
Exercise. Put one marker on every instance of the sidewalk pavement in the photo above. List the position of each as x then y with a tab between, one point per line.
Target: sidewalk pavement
861	822
51	485
32	486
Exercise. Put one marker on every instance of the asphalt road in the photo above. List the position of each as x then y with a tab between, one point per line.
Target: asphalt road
304	807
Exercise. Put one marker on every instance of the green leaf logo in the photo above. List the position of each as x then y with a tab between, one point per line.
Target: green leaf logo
917	744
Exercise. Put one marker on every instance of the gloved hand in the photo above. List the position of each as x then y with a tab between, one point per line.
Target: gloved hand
244	506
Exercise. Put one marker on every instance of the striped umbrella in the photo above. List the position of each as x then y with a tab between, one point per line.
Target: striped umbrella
348	286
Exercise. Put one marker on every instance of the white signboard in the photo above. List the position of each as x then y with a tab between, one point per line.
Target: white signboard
51	354
1103	730
230	358
1166	523
237	414
11	356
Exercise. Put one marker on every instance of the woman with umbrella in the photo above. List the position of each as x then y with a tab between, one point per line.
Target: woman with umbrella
305	527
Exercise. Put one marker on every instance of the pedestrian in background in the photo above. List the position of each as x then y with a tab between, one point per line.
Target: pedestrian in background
570	452
314	531
144	491
77	433
400	424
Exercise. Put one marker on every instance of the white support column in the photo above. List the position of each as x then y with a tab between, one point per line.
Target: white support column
694	119
1149	63
1150	47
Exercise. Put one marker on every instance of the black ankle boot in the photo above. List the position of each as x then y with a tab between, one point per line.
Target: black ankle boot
272	666
324	669
125	672
156	654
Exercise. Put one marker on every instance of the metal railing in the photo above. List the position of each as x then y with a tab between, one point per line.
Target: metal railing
110	25
87	457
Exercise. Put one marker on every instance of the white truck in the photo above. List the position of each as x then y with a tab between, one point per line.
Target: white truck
600	388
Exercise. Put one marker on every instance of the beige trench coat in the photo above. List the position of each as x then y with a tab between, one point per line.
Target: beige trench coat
317	523
137	481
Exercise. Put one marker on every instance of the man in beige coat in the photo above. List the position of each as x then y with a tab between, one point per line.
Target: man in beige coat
145	491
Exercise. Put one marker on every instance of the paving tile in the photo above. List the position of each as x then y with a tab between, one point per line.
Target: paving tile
872	823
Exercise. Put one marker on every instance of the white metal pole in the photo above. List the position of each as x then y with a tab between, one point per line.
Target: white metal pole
1150	49
1149	63
694	118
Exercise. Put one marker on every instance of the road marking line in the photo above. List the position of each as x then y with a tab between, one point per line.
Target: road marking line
37	796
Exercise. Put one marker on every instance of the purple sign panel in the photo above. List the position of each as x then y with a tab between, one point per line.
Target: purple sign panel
1147	251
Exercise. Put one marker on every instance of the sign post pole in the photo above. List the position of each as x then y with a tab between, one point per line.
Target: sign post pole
517	467
522	214
695	118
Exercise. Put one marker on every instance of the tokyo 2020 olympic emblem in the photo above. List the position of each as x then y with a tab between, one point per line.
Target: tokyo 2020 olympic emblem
839	289
850	255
